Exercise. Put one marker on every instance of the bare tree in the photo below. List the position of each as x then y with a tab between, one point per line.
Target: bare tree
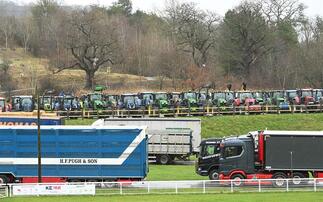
92	42
194	29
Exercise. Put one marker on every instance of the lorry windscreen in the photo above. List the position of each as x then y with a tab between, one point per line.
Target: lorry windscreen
232	151
209	150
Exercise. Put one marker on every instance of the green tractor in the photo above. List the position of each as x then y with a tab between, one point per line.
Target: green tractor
189	100
161	101
96	100
219	100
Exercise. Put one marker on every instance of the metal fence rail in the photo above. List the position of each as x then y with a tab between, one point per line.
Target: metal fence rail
197	111
182	187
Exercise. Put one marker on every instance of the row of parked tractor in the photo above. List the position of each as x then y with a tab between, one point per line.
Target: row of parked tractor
253	100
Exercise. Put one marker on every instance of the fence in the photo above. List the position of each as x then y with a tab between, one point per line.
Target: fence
182	187
197	111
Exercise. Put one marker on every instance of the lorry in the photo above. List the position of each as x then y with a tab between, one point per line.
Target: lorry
73	153
169	138
263	155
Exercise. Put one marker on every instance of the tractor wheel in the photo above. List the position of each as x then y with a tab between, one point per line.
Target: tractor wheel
279	180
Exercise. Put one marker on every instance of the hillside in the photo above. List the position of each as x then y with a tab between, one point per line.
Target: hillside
220	126
27	71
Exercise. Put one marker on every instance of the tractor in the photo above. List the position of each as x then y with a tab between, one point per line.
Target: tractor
306	96
25	103
161	101
112	101
189	100
222	99
47	102
278	99
130	101
174	99
147	99
318	96
2	104
259	96
293	97
95	101
247	99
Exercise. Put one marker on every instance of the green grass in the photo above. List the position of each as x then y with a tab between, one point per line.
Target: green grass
220	126
173	172
235	197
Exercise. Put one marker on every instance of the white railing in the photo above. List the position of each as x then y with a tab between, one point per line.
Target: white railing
182	187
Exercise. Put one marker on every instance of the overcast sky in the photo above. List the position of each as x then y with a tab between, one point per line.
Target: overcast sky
314	7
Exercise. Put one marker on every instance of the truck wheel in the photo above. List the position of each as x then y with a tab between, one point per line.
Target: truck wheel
237	180
297	178
164	159
213	175
4	179
279	180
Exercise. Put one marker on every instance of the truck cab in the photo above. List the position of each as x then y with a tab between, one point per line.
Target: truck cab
208	159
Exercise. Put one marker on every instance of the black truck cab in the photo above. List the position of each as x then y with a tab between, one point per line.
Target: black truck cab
237	153
208	159
222	156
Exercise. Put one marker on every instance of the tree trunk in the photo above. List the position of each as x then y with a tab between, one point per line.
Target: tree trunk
89	80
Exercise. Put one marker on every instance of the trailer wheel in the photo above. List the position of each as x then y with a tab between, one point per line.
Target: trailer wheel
237	180
297	178
164	159
279	180
213	175
4	179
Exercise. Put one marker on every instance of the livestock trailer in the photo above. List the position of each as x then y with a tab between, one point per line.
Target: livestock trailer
73	153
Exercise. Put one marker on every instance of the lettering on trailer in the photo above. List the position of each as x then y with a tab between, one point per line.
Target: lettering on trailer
78	161
11	123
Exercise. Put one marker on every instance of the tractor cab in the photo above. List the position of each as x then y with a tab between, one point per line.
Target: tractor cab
306	96
95	101
23	103
69	103
161	100
222	99
174	99
112	101
259	97
147	98
293	97
278	99
203	97
2	104
248	100
189	99
130	101
47	102
318	96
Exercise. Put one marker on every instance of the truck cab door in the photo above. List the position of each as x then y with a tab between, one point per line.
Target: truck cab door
232	158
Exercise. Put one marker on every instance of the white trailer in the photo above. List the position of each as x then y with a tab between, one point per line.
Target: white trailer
170	138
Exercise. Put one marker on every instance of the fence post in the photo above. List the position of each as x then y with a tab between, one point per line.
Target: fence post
314	185
120	184
231	185
287	187
176	188
148	187
259	185
204	190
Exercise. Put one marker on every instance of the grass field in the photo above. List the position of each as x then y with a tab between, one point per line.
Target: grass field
220	126
235	197
173	172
